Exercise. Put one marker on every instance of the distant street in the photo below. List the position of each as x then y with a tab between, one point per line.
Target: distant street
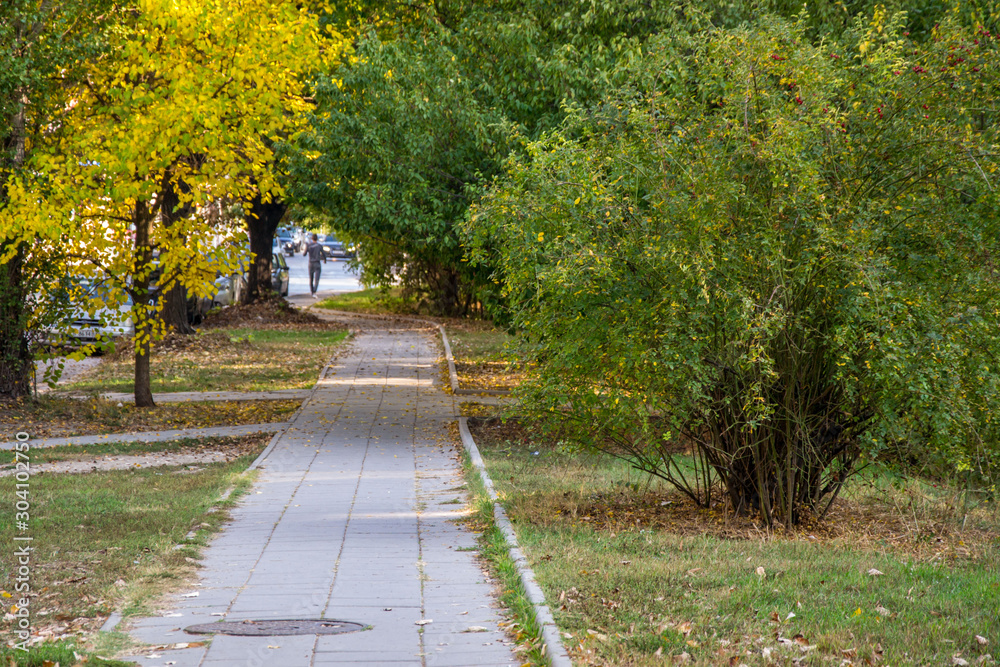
336	277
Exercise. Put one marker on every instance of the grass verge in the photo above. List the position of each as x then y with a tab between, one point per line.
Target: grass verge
224	359
239	444
55	417
372	301
479	350
493	549
109	540
57	654
635	574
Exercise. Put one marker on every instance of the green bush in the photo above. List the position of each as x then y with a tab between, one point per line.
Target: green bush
776	253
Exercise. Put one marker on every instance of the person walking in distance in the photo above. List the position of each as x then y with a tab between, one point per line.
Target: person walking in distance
316	254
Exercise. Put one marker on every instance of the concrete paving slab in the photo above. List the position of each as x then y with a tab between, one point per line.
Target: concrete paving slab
351	519
190	657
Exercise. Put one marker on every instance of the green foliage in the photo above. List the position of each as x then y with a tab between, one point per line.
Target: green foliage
42	48
789	271
174	121
396	140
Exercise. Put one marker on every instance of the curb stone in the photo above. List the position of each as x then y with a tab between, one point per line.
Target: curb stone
552	644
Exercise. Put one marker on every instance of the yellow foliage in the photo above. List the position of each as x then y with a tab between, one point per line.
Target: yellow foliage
189	99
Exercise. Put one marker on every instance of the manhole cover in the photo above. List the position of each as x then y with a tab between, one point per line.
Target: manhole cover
275	627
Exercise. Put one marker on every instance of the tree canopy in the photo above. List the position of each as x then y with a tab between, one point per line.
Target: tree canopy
178	113
42	46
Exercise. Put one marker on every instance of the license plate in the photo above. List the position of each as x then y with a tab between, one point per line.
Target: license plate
88	332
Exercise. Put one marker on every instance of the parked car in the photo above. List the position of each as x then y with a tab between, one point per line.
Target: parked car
279	274
229	289
334	247
286	244
88	321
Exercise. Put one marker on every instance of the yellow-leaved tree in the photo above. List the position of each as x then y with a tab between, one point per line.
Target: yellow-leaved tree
177	120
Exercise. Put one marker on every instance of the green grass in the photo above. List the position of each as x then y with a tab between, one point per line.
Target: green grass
626	590
373	301
107	540
63	653
480	356
238	359
478	346
493	548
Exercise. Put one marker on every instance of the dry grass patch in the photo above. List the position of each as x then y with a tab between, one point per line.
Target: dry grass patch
260	358
639	575
55	417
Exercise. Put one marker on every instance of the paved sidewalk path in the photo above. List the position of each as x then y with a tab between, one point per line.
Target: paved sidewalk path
72	370
352	519
155	436
196	396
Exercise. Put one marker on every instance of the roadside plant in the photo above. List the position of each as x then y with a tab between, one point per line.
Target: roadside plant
776	256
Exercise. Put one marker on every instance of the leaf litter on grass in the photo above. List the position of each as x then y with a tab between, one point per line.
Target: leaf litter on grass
643	576
187	454
254	357
116	541
55	417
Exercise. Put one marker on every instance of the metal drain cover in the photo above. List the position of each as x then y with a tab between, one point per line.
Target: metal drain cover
269	628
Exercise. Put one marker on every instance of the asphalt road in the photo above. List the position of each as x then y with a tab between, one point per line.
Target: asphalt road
336	277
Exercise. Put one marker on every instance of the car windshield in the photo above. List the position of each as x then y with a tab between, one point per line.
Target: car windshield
96	290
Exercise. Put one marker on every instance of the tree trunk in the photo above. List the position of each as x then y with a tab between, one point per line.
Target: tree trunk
262	220
174	312
15	357
446	286
142	310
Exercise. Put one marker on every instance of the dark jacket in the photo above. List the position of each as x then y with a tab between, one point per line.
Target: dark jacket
315	252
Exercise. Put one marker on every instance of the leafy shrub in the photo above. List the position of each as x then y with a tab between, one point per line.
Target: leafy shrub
781	254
